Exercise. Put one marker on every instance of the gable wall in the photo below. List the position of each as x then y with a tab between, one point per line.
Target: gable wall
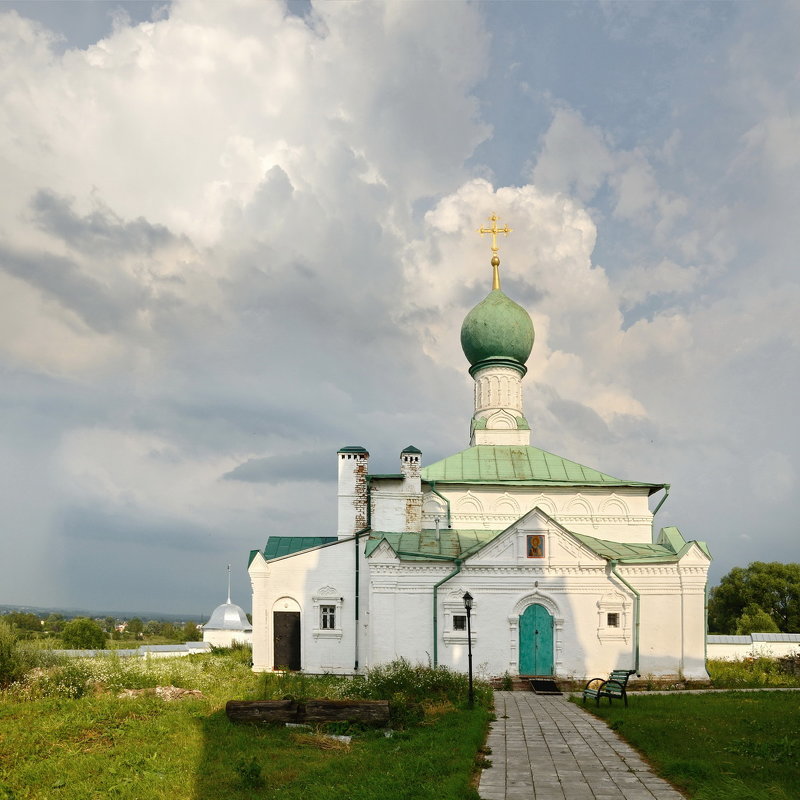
325	575
576	587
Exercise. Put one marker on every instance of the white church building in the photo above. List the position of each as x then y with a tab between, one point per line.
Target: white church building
568	577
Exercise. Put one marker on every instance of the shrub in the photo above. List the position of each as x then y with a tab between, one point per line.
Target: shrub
16	658
418	683
751	673
83	634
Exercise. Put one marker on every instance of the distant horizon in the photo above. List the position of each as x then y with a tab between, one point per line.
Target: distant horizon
94	613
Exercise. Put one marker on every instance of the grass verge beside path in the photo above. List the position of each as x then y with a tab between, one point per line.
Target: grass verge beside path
731	746
67	736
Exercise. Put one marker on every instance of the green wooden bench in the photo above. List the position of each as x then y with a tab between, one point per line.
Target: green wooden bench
613	686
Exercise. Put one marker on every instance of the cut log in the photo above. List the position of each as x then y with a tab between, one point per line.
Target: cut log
371	712
262	710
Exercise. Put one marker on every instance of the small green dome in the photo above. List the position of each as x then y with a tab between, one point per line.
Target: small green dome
497	329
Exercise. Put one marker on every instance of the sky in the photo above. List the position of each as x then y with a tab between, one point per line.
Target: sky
235	237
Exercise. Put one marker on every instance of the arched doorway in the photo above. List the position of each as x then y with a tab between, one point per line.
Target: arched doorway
286	634
536	641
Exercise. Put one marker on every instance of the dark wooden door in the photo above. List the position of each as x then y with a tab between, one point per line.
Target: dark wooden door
286	627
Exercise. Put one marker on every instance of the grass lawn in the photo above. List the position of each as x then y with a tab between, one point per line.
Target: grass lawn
731	746
101	746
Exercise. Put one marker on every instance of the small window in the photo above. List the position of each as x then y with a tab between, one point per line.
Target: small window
536	546
459	622
327	620
612	620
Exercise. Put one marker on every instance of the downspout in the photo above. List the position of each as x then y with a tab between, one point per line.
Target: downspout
705	638
435	610
636	599
662	500
432	484
356	536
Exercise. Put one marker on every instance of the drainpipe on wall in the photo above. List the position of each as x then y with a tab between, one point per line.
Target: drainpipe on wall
435	610
662	500
356	537
636	598
432	484
705	638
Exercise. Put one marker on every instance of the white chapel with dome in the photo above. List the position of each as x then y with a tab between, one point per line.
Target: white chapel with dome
568	576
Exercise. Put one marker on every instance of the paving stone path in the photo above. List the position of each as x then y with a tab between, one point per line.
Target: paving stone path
546	748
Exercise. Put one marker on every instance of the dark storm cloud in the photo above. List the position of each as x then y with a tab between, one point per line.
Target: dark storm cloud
84	525
100	232
62	279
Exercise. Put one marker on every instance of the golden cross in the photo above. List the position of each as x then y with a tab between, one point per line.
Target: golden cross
494	230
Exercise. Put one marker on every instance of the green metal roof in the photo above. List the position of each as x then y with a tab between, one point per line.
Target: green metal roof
278	546
424	545
671	547
411	449
621	551
452	544
519	465
353	448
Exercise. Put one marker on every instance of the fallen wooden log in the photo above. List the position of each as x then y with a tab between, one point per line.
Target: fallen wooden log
370	712
261	710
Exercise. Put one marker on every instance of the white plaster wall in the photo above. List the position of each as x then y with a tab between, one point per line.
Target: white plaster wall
396	505
299	578
619	514
402	619
672	618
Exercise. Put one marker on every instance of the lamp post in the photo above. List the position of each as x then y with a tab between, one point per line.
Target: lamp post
468	607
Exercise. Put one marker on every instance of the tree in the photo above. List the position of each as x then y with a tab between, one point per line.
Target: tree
24	621
54	623
190	632
169	631
755	620
135	626
773	587
109	624
83	634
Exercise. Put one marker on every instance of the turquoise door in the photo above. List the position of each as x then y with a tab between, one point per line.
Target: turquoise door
536	641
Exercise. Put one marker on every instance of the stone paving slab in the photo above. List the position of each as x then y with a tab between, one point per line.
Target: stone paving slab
546	748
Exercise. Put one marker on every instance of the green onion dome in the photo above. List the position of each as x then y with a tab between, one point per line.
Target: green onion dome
497	330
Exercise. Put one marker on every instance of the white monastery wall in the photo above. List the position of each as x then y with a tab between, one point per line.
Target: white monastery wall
224	638
736	652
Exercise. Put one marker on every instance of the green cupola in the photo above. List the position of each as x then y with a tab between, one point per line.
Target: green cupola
497	331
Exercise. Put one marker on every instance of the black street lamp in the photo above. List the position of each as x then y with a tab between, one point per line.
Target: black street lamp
468	607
